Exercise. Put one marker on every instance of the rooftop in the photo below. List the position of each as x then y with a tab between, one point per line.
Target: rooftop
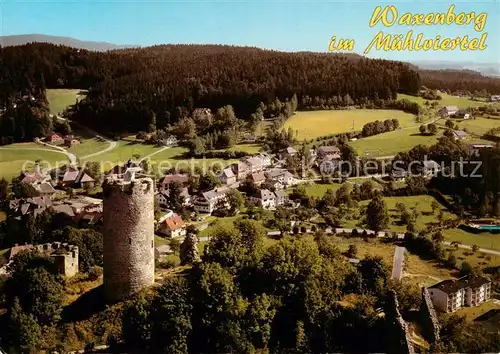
451	286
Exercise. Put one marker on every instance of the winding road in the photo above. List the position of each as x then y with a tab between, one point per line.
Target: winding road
111	146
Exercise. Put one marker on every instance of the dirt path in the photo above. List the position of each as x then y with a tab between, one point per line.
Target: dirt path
112	144
410	275
154	153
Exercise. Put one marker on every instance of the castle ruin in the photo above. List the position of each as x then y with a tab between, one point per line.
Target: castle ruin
65	256
128	212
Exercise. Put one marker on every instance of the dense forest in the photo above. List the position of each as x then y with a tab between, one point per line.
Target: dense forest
129	89
459	80
136	89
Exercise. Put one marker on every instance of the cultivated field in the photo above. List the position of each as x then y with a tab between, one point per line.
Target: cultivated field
60	99
313	124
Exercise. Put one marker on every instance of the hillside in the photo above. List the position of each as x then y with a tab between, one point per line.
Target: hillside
7	41
128	88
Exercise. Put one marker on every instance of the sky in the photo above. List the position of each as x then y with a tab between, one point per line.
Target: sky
281	25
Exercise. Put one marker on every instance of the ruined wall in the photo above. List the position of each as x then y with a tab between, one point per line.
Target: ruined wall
128	212
65	256
429	318
400	340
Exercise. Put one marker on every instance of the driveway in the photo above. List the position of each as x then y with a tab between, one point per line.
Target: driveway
397	266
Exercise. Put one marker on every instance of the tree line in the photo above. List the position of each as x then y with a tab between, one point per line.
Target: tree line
128	88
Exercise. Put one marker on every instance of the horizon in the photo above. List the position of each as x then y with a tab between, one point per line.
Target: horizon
295	26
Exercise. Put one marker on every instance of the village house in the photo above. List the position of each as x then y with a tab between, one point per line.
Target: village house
255	164
208	201
169	141
399	175
65	209
474	149
287	153
459	135
430	168
451	295
448	111
54	138
462	113
34	177
182	179
257	178
265	198
35	206
227	176
77	179
267	159
273	184
90	214
283	176
249	139
162	197
44	189
172	227
70	140
281	197
332	151
241	170
329	165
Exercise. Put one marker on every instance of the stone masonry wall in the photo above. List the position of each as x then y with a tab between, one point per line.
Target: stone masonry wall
401	341
128	211
430	322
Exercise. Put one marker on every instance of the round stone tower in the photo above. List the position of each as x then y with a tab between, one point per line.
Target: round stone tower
128	234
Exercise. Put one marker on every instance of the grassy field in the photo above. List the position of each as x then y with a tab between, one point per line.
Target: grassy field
473	312
318	189
176	157
60	99
478	126
12	161
485	239
421	202
124	151
248	148
391	143
313	124
447	100
88	146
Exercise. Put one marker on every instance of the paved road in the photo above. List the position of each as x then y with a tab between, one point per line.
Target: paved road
397	266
